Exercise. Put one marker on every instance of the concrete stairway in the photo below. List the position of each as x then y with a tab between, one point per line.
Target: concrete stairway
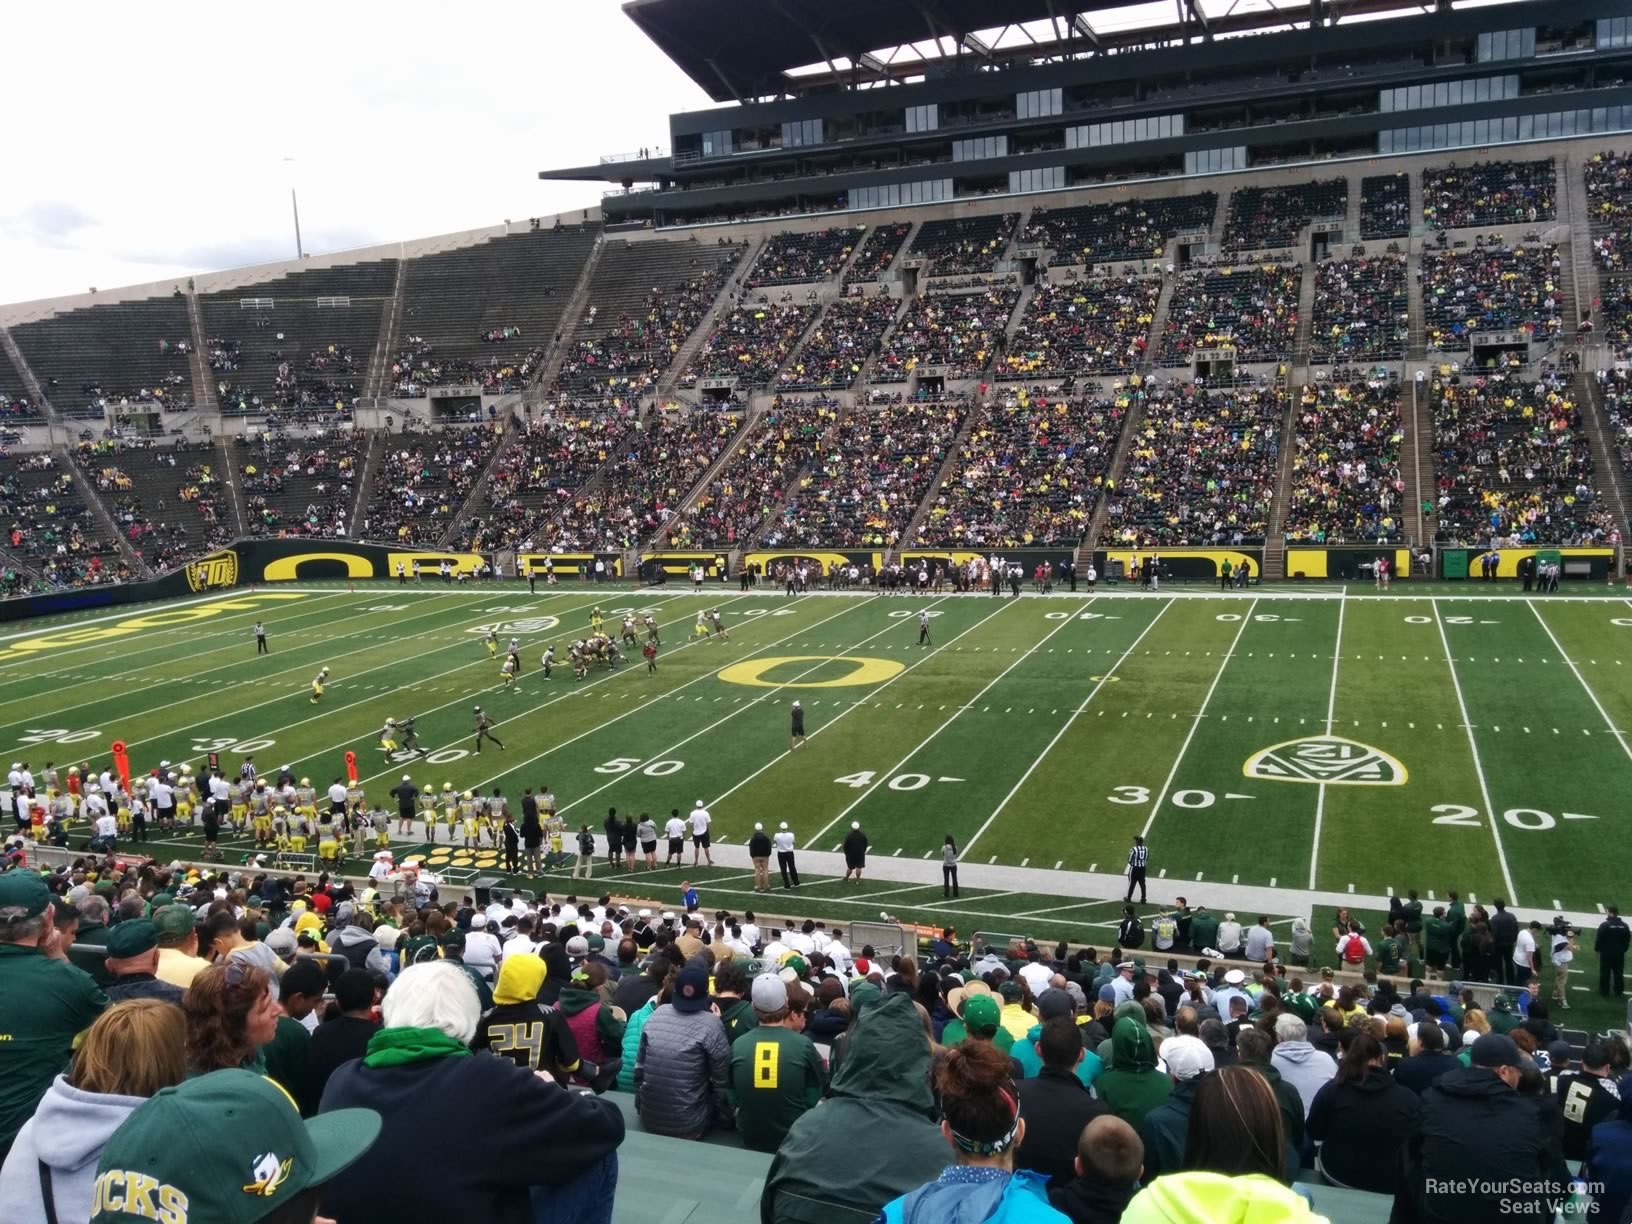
1417	461
571	315
1351	217
100	512
36	393
365	483
229	471
204	396
1416	344
1306	314
1275	531
705	327
954	449
1130	431
479	487
1606	461
751	421
1580	285
1158	319
377	383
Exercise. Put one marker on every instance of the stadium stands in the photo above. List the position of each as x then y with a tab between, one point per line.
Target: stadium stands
549	461
1253	308
872	475
961	331
1201	469
754	481
749	343
1385	206
1513	462
644	300
1346	485
1489	193
170	499
1609	211
802	255
883	243
295	350
654	467
299	486
1615	389
962	245
840	343
90	359
488	312
1264	218
1362	310
1124	229
15	406
1030	471
48	523
1490	287
422	481
1099	325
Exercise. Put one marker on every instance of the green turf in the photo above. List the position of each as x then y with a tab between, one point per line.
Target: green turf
1039	733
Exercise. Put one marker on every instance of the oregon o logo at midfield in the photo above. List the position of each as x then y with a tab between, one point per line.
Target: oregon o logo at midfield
1326	759
866	671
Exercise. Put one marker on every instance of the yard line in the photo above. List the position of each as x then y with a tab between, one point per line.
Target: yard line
1008	603
1478	769
336	709
956	714
637	709
1620	736
1060	734
725	718
1195	722
1331	710
130	611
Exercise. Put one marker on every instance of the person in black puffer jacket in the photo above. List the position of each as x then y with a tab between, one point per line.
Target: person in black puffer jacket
1361	1118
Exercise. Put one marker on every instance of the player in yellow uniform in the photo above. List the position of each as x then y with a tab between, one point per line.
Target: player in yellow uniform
507	672
450	809
388	737
381	820
306	801
187	798
595	621
264	835
700	630
491	641
237	804
121	811
318	681
469	819
428	814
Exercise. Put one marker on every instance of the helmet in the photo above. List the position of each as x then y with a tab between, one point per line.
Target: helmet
186	768
280	810
468	795
390	722
305	781
478	709
447	786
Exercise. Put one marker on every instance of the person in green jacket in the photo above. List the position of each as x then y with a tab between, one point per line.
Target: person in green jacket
1389	950
1501	1015
1203	928
1133	1086
1412	910
1458	918
1437	936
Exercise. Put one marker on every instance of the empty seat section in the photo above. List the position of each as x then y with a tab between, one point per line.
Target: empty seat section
878	251
136	352
959	245
1121	229
1263	217
805	255
487	313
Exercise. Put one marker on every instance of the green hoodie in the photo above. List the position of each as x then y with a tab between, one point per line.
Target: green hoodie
1107	1049
881	1088
608	1025
1133	1086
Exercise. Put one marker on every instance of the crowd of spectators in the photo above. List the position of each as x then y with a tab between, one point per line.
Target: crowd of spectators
1609	206
626	359
1122	229
962	331
753	484
1346	484
1031	471
16	407
1362	310
870	478
1095	325
1385	205
1615	391
49	524
1202	468
137	477
962	245
1491	286
1265	218
538	473
1252	308
287	471
416	368
1513	463
840	344
654	467
1489	193
422	481
883	243
750	342
797	256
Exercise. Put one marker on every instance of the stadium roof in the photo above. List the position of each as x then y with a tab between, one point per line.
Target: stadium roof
741	49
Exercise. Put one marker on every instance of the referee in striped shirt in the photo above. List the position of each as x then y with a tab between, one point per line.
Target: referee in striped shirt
1137	858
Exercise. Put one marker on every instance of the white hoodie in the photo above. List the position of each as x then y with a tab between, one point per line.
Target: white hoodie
75	1125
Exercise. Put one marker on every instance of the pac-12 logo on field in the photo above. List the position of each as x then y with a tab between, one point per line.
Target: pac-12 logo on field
1326	758
219	569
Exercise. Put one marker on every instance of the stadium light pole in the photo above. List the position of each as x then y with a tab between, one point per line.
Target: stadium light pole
294	203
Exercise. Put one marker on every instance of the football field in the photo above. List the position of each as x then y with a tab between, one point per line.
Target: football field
1280	750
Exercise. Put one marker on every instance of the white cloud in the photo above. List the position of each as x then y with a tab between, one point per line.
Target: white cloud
163	151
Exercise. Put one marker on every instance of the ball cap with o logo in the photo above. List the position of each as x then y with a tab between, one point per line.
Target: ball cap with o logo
226	1148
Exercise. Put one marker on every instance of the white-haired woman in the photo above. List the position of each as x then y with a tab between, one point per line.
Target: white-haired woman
531	1152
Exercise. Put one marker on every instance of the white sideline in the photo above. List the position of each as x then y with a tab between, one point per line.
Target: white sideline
1620	736
1331	712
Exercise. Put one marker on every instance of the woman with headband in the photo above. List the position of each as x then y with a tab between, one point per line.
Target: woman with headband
982	1123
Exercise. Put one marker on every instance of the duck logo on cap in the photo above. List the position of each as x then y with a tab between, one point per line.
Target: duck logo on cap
269	1173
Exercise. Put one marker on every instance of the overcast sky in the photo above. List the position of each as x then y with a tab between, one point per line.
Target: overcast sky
155	136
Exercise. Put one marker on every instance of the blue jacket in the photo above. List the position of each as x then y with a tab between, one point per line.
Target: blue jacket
1017	1198
1031	1062
1609	1165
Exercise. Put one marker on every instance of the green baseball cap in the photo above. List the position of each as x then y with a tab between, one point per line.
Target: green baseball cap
173	921
228	1147
980	1014
132	939
23	890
